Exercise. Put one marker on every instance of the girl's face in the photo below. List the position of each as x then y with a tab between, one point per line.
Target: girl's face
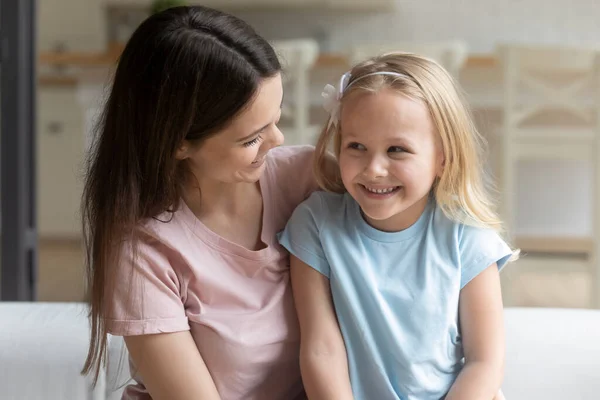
389	157
237	154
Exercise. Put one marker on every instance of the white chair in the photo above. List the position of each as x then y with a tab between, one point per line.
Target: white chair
451	55
297	57
551	110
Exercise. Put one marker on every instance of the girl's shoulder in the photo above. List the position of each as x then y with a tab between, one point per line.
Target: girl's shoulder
321	210
464	235
459	226
323	204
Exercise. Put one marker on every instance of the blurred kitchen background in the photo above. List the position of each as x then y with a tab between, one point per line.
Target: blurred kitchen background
543	133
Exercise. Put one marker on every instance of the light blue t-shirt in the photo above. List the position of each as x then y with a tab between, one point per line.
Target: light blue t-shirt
395	294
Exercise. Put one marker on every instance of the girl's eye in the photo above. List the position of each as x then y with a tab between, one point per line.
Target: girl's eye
356	146
396	149
253	142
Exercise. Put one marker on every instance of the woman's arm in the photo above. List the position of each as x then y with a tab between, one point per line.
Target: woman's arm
323	359
171	366
482	327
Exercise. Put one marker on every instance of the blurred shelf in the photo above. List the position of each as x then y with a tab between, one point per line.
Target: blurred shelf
81	59
335	60
555	245
108	58
51	80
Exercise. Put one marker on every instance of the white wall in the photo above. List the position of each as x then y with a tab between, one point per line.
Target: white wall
482	23
553	198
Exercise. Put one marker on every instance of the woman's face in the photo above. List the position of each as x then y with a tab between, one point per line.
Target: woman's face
237	153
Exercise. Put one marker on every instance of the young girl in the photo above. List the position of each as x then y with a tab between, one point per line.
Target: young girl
403	248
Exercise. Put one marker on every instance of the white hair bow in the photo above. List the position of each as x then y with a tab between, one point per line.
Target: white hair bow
332	95
331	98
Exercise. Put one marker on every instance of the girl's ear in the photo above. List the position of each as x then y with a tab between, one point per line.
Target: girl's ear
183	151
441	163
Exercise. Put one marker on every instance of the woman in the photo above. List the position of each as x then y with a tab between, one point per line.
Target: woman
184	195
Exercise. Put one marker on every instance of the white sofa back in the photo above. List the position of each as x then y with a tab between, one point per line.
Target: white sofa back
42	350
552	354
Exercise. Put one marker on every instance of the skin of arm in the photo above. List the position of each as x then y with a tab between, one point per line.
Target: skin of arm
171	366
482	325
323	358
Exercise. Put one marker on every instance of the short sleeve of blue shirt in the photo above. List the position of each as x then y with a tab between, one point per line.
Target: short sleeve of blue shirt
301	234
479	248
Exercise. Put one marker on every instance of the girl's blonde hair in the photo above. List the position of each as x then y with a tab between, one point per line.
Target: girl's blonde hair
461	190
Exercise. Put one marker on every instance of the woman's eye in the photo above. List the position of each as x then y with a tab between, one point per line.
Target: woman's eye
253	142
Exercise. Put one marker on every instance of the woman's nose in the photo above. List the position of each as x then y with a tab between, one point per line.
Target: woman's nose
276	136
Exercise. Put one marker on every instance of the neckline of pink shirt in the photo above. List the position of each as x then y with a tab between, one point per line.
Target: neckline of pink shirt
223	245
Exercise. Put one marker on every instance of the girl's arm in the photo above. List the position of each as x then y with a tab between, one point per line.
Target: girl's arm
323	359
482	326
171	366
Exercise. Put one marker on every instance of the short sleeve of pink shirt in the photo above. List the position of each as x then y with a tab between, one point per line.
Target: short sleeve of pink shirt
236	302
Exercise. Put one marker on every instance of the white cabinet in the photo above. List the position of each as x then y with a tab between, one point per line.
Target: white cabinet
361	5
71	25
263	4
221	4
249	5
60	151
258	4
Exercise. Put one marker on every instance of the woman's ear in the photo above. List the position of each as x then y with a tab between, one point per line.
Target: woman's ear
183	151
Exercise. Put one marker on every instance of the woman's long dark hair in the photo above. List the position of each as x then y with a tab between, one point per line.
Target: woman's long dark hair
183	75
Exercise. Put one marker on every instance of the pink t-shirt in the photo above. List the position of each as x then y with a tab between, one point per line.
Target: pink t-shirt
236	302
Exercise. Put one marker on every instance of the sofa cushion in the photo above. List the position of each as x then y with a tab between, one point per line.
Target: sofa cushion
43	347
552	354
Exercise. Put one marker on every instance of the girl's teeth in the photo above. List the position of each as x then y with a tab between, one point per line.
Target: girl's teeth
380	191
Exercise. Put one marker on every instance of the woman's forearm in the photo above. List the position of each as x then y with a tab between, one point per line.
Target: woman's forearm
172	367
